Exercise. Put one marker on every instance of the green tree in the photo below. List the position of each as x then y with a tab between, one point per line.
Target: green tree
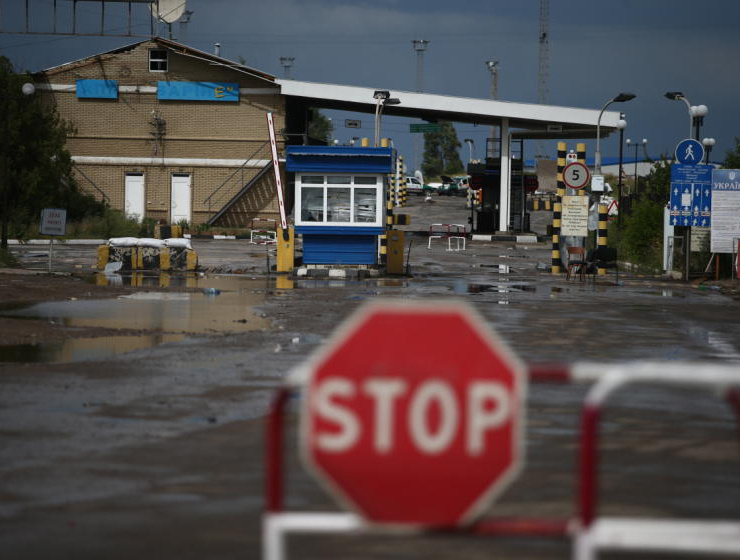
35	167
732	157
319	127
441	154
657	185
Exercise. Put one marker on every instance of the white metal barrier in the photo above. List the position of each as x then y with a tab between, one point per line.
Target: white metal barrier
591	533
261	233
449	232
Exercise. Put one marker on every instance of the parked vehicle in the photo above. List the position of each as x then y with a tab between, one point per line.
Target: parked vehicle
449	186
414	186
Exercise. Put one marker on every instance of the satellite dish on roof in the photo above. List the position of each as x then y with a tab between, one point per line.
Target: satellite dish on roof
168	11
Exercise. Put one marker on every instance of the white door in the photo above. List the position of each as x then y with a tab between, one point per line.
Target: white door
180	197
134	196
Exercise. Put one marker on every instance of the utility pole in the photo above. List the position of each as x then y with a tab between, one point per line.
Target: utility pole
492	66
420	45
286	62
544	41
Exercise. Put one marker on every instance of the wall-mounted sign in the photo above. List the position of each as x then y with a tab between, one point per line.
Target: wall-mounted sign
427	127
198	91
97	89
574	218
725	210
352	123
597	183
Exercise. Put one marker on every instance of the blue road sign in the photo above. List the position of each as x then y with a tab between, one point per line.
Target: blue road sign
690	152
691	195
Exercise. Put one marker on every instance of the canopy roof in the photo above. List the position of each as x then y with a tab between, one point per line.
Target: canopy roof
528	120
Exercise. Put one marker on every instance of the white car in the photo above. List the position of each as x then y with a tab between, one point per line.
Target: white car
414	186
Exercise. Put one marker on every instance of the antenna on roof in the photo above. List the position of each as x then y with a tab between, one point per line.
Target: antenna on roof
183	24
168	11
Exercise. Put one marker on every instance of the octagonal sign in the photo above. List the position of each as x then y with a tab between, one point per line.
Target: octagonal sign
414	414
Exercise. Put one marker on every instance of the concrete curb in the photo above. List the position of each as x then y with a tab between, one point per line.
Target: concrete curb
58	242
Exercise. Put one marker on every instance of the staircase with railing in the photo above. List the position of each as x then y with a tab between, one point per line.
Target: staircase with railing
220	200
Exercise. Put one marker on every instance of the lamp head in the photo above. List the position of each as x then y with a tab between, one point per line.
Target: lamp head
628	141
624	96
708	142
674	95
392	101
381	94
28	88
699	110
644	141
621	124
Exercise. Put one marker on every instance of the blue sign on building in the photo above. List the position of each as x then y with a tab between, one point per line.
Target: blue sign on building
689	152
97	89
691	195
198	91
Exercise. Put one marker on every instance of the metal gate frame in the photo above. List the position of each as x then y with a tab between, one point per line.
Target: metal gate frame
589	532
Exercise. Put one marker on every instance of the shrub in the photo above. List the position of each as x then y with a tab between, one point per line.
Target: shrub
641	239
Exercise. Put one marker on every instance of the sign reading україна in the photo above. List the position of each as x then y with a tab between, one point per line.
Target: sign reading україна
198	91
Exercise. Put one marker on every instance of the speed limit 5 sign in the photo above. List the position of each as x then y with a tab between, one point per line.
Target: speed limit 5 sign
576	175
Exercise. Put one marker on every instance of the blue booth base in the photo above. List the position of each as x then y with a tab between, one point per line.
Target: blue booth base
340	245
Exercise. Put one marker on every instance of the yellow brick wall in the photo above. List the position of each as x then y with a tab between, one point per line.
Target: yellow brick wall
261	200
123	128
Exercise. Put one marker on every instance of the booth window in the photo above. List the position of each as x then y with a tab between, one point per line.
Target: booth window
339	199
158	60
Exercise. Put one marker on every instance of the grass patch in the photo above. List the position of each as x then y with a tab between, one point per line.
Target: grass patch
7	259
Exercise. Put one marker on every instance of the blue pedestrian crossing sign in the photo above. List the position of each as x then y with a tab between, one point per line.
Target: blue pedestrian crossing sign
691	195
690	152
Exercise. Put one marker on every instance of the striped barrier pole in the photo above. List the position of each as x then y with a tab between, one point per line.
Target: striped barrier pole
601	239
557	263
581	158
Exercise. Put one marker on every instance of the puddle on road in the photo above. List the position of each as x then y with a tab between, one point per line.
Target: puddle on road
500	288
224	304
83	349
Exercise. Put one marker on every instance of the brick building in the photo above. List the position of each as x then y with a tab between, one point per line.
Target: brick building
168	132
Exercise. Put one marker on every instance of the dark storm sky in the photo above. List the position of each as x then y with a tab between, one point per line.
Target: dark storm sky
596	50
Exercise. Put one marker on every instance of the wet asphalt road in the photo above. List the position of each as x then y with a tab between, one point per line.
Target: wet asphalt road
157	452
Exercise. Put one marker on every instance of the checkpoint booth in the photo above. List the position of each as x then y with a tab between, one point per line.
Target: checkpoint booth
339	201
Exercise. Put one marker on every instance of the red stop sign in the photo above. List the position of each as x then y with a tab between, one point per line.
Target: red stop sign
413	414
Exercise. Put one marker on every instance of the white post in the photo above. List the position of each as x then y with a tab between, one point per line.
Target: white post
505	194
272	539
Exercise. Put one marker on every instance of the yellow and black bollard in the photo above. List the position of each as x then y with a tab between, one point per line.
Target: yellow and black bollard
581	155
557	263
601	239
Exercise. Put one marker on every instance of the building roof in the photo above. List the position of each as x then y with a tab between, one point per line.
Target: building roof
174	46
535	121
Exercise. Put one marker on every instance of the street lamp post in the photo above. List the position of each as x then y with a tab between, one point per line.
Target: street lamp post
471	148
618	99
698	112
636	145
621	125
382	98
696	119
708	144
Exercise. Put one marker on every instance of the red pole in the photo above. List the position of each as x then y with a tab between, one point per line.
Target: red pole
274	452
549	373
588	464
733	396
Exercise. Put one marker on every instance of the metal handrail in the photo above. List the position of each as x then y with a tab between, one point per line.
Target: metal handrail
209	199
97	188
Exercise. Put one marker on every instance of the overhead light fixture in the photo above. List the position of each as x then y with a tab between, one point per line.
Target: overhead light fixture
674	95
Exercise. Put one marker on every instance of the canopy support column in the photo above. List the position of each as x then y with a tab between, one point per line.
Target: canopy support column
505	191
